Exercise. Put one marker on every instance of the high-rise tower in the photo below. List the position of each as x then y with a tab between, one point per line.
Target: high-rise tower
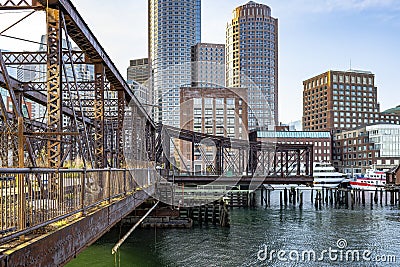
208	65
252	60
138	78
174	27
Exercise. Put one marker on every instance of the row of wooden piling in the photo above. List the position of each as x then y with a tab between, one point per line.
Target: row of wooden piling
337	197
265	198
216	213
286	196
348	198
292	196
243	198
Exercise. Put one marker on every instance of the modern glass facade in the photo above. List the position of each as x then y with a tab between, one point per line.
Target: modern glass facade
386	138
374	146
252	60
174	27
138	79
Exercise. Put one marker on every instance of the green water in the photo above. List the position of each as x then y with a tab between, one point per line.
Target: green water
289	229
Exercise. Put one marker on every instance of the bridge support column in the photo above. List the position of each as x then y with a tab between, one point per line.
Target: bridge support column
54	115
120	139
98	121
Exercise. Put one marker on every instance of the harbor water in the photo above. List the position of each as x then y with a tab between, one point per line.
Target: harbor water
273	236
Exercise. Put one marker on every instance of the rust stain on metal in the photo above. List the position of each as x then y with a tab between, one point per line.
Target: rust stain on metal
60	246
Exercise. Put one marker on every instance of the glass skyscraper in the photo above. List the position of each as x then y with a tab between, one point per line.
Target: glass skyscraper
252	61
174	27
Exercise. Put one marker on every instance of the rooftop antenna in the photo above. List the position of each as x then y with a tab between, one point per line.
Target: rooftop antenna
350	63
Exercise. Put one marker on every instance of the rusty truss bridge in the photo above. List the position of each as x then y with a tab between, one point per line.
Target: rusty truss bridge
91	153
226	160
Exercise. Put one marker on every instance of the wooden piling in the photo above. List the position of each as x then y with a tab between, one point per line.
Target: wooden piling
301	200
363	197
262	195
280	199
199	216
381	196
352	200
321	200
285	196
391	197
316	200
334	196
376	196
337	198
298	194
386	197
223	215
398	197
293	196
213	219
326	195
371	195
312	195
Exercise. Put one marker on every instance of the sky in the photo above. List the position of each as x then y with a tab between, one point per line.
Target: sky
313	35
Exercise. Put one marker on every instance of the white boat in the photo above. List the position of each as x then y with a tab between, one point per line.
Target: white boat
372	180
325	175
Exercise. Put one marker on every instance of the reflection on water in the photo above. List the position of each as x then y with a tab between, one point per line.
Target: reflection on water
253	230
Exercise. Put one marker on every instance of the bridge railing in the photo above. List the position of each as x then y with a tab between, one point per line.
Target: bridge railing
33	198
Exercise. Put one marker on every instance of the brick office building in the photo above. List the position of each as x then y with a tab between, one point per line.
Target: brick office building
375	146
342	100
216	111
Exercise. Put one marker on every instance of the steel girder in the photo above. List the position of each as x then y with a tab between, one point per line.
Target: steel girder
40	58
241	157
16	100
120	126
98	120
80	33
75	99
19	4
104	115
54	94
83	86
